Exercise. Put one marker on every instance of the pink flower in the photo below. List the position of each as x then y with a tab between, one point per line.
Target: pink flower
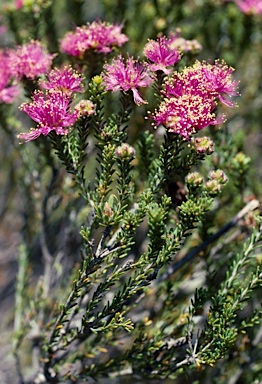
30	60
125	76
75	43
9	94
51	112
252	7
186	114
212	80
3	29
161	55
98	36
66	80
19	4
8	91
218	81
191	98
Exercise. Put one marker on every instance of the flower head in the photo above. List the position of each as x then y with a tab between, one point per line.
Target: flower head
216	179
218	81
30	60
8	91
187	114
218	175
51	111
125	152
192	96
194	180
161	55
66	80
125	76
98	36
19	4
210	80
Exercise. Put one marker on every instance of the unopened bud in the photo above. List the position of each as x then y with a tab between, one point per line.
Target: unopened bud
85	108
213	187
108	211
218	175
241	162
194	180
203	145
125	151
97	79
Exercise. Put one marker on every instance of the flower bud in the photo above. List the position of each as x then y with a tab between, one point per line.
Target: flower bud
108	211
241	162
194	180
218	175
203	145
98	80
85	108
125	151
213	187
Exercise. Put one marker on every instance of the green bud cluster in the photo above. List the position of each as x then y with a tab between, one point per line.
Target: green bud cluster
203	145
241	163
194	180
85	108
125	152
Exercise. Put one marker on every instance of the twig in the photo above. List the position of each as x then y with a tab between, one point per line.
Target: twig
251	206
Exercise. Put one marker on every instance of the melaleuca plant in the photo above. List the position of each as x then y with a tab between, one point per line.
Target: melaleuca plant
125	184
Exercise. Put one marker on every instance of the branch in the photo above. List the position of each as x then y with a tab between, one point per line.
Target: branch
251	206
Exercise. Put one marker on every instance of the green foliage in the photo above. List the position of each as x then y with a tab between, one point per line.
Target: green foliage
143	272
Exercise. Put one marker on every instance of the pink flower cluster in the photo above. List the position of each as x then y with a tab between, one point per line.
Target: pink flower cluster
8	90
30	60
130	74
26	61
98	36
52	110
127	75
191	98
161	55
66	80
19	4
252	7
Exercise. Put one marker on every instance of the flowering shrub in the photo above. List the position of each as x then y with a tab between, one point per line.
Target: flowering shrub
140	242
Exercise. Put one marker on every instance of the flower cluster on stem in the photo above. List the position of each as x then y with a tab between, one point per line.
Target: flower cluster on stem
160	55
127	75
98	36
176	41
8	90
191	98
52	110
30	60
